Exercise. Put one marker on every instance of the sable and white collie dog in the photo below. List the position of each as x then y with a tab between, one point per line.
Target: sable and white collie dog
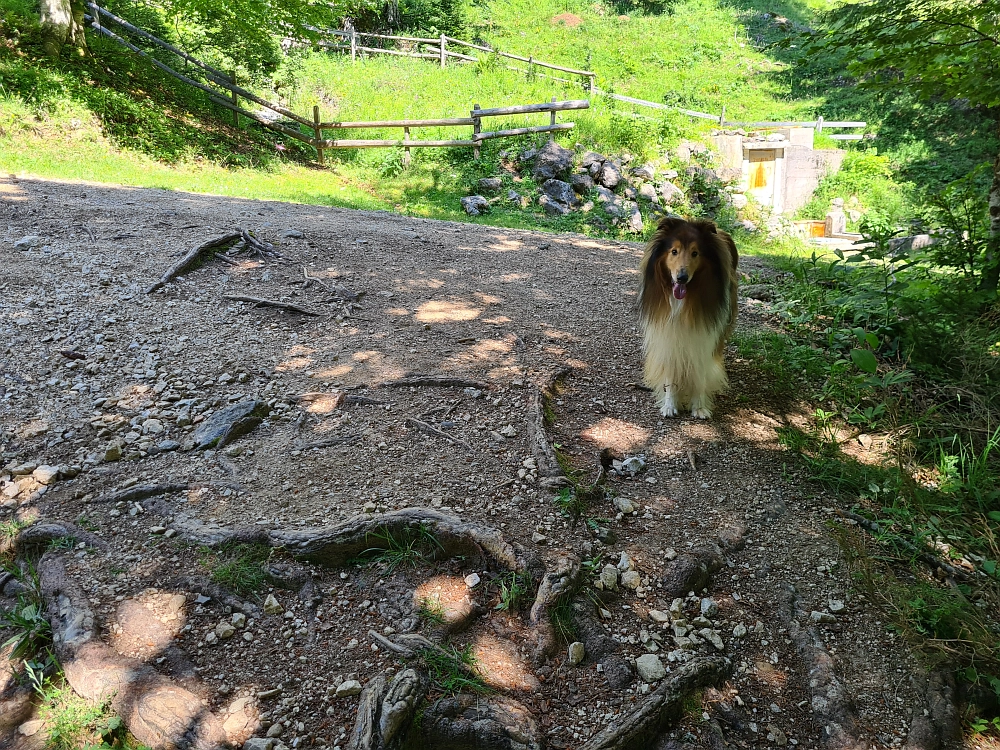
687	307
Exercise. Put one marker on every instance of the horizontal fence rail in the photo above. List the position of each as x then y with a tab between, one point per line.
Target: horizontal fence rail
229	98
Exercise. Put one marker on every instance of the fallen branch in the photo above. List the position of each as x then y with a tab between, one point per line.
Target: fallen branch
258	302
541	448
364	400
417	381
310	279
140	492
193	258
263	249
873	528
424	427
555	587
663	707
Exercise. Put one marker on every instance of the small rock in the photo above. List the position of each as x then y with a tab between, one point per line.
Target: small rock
275	730
836	605
645	172
609	577
113	452
816	616
624	505
490	185
293	234
224	631
211	639
657	616
709	607
271	605
28	242
508	431
552	161
577	652
259	743
610	175
650	668
168	445
157	529
713	637
474	205
552	206
738	201
538	538
632	465
631	580
625	562
648	192
582	183
670	194
239	619
739	631
348	688
472	580
45	474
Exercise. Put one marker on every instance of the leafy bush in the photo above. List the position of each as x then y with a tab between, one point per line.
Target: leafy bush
867	177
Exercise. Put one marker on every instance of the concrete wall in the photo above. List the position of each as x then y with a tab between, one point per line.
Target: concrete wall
804	168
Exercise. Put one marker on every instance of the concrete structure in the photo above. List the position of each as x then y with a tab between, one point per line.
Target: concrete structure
780	170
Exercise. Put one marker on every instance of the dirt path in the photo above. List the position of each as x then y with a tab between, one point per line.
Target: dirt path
506	308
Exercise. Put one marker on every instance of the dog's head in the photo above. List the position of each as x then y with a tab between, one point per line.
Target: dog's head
678	252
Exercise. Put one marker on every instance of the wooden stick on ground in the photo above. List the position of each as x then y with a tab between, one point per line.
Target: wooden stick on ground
193	258
258	302
329	442
415	381
424	427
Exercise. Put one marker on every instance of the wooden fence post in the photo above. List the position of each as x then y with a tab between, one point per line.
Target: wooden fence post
406	149
819	124
531	66
477	128
354	44
319	134
443	45
552	120
236	99
722	117
593	85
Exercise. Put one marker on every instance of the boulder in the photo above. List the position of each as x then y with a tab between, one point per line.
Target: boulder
635	223
490	185
648	192
605	196
610	175
228	424
560	191
475	205
645	172
553	207
670	194
582	183
590	158
553	162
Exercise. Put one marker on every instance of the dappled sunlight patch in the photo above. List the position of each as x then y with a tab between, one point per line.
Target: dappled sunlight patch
501	666
322	403
497	321
443	311
503	245
10	191
418	284
616	434
332	373
397	312
294	363
513	278
444	598
701	430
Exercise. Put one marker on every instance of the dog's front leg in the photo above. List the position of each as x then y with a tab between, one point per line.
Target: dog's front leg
669	406
701	407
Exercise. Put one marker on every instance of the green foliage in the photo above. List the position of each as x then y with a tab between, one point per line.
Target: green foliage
73	722
866	181
452	670
31	630
959	215
514	588
434	17
407	548
430	609
240	567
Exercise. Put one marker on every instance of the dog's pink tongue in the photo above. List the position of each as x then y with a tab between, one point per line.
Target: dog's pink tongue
680	291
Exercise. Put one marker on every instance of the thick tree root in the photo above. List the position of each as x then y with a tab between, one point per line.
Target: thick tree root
419	381
831	704
140	492
541	449
156	710
556	587
662	707
193	258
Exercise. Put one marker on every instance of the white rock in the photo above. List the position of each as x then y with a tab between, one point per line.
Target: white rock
224	631
577	652
631	579
239	619
271	605
472	580
28	242
45	474
709	607
609	577
650	668
836	605
739	631
624	505
348	688
657	616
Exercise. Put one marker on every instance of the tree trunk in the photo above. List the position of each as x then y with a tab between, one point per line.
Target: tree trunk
991	267
62	21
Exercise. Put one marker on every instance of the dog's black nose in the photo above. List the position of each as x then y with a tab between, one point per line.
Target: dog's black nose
682	277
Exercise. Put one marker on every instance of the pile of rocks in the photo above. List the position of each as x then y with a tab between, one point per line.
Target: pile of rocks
623	191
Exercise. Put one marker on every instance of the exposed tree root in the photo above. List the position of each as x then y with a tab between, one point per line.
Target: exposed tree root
556	586
541	448
419	381
193	258
158	711
140	492
661	708
259	302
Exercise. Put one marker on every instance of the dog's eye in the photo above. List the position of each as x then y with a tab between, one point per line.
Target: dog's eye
694	254
674	251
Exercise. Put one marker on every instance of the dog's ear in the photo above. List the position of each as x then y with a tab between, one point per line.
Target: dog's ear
706	226
670	223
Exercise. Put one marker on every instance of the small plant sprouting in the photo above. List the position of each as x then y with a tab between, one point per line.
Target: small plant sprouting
513	588
239	567
430	609
452	670
395	551
32	632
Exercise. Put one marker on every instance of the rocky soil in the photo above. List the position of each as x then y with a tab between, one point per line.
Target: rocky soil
707	543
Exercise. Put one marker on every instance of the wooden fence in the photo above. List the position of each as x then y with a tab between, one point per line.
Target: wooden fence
231	93
442	53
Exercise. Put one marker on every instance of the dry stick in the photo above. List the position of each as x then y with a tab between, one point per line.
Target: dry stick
262	248
194	257
258	302
932	560
691	460
311	279
435	380
329	442
424	427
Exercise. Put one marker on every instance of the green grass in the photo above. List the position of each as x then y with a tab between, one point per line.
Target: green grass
514	590
407	548
452	670
239	567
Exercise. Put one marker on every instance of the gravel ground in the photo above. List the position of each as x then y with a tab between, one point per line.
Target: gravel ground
92	367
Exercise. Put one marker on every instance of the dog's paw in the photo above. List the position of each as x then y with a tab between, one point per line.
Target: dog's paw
701	413
668	410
